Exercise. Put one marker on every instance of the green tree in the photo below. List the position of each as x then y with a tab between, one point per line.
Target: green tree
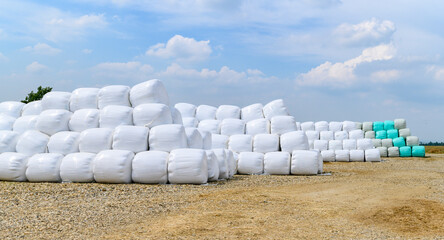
32	96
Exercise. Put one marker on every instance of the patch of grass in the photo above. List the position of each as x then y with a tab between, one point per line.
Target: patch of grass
434	149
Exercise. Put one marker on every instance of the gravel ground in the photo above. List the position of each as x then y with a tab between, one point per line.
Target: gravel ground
395	199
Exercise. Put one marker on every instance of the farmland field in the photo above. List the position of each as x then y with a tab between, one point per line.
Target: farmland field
435	149
397	198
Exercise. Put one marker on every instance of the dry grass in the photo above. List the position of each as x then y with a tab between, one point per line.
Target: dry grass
434	149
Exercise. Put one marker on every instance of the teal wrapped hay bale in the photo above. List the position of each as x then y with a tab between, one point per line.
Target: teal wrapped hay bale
381	134
405	151
392	133
400	123
378	126
418	151
412	141
388	125
399	142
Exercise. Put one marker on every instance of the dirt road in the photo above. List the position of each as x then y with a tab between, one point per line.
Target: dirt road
397	198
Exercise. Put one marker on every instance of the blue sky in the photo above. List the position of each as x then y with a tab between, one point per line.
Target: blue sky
328	59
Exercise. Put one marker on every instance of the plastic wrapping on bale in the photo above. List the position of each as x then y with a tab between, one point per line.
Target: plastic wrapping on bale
372	155
418	151
219	141
241	143
275	108
176	116
53	121
291	141
381	134
194	138
370	134
186	109
77	167
367	126
83	98
328	155
304	162
64	143
405	151
405	132
282	124
298	126
131	138
250	163
56	100
25	123
321	126
378	126
357	155
399	142
11	108
151	115
326	135
320	145
307	126
335	145
348	126
187	166
32	108
207	142
95	140
342	155
312	135
392	133
412	141
258	126
8	141
349	144
364	144
388	142
213	166
113	95
13	166
341	135
264	143
335	126
227	112
388	125
356	134
277	163
252	112
152	91
210	125
393	152
204	112
113	166
190	122
377	143
44	167
320	162
400	123
358	125
167	137
32	142
222	160
232	126
150	167
113	116
84	119
231	163
311	144
6	122
383	151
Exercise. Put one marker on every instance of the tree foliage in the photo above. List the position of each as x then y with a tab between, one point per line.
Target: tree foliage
34	96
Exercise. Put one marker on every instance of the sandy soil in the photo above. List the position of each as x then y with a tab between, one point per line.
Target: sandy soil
394	199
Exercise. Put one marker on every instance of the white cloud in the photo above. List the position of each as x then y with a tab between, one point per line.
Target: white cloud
3	57
122	70
342	74
87	51
366	33
385	76
42	48
182	49
35	67
437	71
64	27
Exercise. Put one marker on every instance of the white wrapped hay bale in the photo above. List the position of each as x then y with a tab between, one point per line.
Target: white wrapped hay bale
213	166
113	166
150	167
250	163
358	125
364	144
210	125
11	108
204	112
367	126
356	134
307	126
275	108
277	163
291	141
335	126
207	142
6	122
194	138
383	151
357	155
349	144
372	155
264	143
44	167
320	145
393	152
13	166
298	126
188	166
348	126
83	98
252	112
312	135
186	109
326	135
8	141
282	124
341	135
321	126
328	155
412	141
219	141
84	119
377	143
131	138
388	142
77	167
400	123
112	116
64	143
95	140
56	100
370	134
304	162
53	121
25	123
151	115
32	108
32	142
405	132
190	122
152	91
258	126
342	155
335	145
222	160
113	95
167	137
231	162
227	111
232	126
241	143
320	161
176	116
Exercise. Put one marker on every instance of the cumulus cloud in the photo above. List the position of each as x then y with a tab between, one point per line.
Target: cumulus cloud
36	67
122	70
437	72
341	74
42	49
182	49
385	76
65	27
366	33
